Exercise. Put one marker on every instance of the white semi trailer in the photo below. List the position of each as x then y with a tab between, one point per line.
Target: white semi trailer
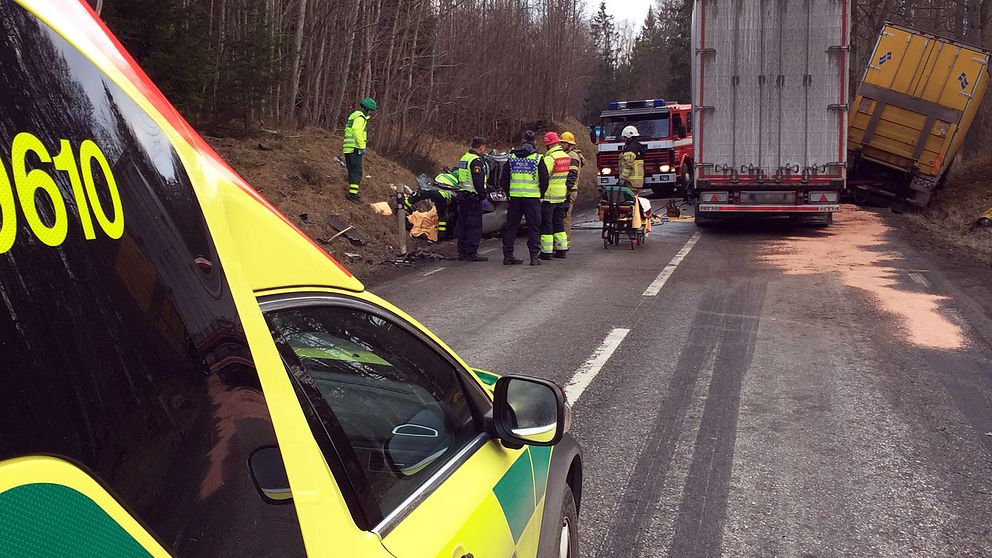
770	94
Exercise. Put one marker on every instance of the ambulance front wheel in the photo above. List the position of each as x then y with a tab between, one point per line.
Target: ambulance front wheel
568	541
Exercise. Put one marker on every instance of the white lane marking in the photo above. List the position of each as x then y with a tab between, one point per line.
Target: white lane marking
588	371
484	252
920	280
429	273
655	287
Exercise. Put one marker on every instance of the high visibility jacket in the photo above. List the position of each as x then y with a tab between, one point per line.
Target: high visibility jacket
524	176
558	163
578	161
356	132
631	170
446	182
465	180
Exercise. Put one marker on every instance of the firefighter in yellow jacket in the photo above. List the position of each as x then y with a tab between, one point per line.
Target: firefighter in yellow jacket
355	142
554	202
632	160
578	161
632	171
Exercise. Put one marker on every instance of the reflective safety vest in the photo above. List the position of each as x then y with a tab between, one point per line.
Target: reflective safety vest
558	163
465	181
524	176
355	132
446	182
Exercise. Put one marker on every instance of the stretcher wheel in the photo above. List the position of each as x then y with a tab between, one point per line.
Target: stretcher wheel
633	243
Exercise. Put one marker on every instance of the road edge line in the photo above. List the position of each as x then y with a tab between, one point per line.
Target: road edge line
655	287
591	367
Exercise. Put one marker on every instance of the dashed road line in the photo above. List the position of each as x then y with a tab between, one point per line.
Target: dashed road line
588	371
655	287
429	273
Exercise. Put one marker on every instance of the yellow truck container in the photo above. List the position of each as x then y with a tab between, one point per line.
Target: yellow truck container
918	97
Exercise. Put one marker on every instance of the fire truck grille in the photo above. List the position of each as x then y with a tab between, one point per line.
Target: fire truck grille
652	160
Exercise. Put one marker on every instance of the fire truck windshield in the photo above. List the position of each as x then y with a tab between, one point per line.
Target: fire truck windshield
649	127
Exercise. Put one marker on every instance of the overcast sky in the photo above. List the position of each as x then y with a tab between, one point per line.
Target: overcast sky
634	10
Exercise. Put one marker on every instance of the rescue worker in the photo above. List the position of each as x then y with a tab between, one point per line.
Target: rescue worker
442	195
632	160
472	173
578	161
554	199
631	172
523	184
355	141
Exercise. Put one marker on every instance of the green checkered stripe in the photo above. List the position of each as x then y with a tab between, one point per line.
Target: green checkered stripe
44	520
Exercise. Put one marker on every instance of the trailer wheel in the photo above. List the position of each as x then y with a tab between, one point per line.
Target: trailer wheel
860	195
699	219
824	220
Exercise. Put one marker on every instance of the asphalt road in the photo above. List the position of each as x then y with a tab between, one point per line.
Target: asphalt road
789	391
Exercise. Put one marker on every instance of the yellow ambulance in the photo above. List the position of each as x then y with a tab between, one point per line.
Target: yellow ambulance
184	373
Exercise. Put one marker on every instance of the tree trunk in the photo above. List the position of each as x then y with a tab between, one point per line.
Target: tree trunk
294	79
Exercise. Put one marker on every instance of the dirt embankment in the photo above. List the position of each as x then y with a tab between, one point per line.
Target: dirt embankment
951	218
298	173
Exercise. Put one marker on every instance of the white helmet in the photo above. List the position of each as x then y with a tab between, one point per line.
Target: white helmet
629	132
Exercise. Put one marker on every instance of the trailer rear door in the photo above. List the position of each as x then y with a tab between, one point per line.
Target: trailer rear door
769	84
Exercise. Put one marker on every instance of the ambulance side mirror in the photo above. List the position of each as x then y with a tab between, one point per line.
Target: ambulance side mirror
530	411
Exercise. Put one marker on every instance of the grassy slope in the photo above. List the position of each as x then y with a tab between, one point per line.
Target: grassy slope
296	171
966	196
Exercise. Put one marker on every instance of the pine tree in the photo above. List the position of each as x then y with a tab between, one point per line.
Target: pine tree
649	64
604	84
675	30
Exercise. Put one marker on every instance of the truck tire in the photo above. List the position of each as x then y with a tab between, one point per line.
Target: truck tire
824	220
687	176
699	219
861	196
568	526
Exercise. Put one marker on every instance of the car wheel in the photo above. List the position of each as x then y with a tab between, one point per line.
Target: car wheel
568	539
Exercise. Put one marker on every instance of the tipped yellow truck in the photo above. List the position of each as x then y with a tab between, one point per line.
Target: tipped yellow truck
918	97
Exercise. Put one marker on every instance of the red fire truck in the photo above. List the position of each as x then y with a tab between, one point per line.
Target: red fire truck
665	130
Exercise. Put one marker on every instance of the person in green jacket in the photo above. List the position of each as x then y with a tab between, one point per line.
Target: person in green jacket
355	141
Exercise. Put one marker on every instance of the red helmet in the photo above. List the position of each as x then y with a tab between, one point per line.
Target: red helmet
551	138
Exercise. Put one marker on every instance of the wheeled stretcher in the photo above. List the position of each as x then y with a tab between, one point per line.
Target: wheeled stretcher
625	216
